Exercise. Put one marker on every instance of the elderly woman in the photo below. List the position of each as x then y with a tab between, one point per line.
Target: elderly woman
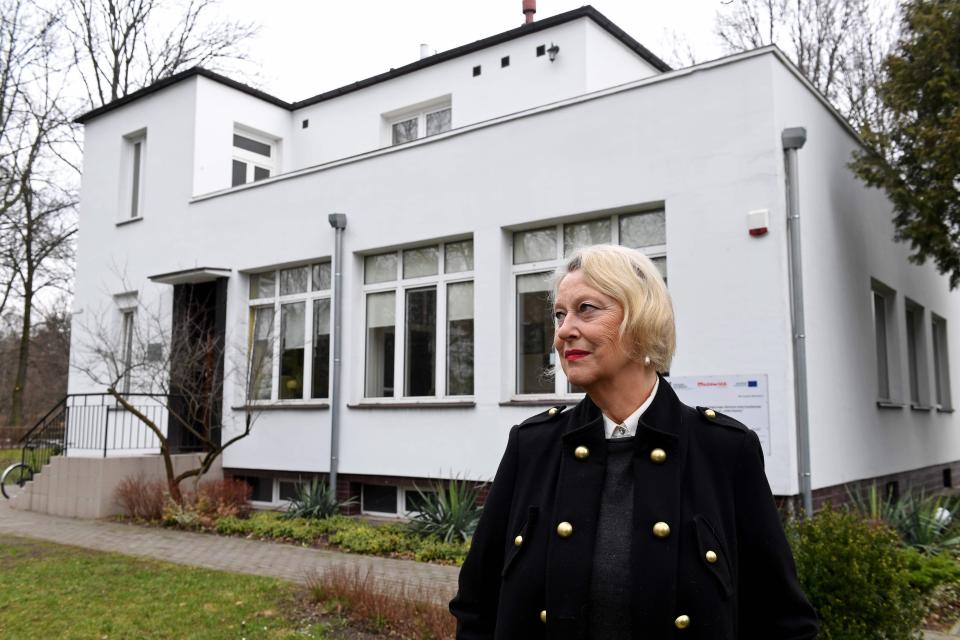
630	515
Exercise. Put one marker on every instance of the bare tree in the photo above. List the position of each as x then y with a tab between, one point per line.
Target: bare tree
123	46
839	45
180	364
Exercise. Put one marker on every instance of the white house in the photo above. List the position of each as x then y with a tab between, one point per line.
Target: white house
464	177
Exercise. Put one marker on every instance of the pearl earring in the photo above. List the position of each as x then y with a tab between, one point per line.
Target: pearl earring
646	361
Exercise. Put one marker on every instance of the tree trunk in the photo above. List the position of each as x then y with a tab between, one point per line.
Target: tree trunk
23	354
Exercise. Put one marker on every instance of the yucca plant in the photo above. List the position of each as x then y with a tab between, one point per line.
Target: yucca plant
449	510
923	522
314	499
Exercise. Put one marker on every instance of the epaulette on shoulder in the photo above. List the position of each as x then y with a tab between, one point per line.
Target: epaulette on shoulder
549	415
715	417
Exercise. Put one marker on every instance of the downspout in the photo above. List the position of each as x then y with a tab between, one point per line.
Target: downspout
339	222
794	139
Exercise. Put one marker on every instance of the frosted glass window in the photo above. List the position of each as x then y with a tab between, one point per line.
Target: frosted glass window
292	334
294	280
380	268
263	285
460	339
381	333
458	256
420	262
321	276
261	353
405	131
535	245
534	334
643	229
438	121
420	346
584	234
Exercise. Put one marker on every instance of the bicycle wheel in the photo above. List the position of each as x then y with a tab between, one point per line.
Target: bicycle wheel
17	474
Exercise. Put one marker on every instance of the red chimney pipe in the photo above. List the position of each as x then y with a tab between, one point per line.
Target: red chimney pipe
529	8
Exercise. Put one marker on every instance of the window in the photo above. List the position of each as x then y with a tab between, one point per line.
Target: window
127	328
505	61
427	122
290	360
885	340
916	356
424	297
135	152
391	499
941	366
261	488
254	157
536	254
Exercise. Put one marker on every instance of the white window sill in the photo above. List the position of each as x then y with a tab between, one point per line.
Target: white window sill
889	404
282	406
129	221
914	406
520	401
413	404
945	409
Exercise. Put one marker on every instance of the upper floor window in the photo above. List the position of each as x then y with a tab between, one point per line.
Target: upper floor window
884	331
419	321
296	364
941	363
135	154
536	255
254	157
916	356
417	124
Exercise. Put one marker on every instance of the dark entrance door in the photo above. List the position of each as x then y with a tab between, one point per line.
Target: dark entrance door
196	363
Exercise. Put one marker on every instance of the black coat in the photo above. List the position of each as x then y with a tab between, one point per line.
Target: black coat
711	491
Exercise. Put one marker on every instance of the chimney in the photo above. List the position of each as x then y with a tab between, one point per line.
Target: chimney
424	51
529	8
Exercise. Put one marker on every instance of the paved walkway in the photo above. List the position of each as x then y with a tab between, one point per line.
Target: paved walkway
285	561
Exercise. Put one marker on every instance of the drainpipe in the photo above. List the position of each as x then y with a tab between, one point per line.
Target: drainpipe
339	222
793	139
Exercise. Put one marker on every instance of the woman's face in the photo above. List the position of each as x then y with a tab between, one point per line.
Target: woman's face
587	336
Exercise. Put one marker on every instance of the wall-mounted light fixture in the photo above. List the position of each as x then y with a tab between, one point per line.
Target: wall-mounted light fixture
553	51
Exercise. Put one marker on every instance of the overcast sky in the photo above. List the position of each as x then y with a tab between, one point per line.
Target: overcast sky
307	47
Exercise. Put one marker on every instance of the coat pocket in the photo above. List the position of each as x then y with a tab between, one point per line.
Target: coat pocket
713	554
521	538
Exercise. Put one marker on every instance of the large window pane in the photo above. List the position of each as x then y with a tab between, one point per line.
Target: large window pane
381	331
239	173
643	229
294	280
421	342
420	262
321	276
460	339
261	353
292	329
584	234
405	131
534	334
135	180
382	499
913	368
941	363
321	349
438	121
880	326
458	256
538	244
381	268
254	146
263	285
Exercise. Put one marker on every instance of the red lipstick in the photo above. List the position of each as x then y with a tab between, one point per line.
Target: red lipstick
575	354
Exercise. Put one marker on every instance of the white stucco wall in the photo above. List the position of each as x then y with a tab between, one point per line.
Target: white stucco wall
847	237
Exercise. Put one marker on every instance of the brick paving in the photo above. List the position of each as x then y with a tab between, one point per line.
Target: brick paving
288	562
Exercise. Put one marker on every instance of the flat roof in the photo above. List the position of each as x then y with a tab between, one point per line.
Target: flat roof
523	30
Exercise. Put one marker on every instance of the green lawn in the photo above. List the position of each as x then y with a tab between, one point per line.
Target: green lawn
56	591
8	457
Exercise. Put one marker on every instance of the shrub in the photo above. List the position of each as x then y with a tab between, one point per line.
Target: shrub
314	499
362	537
929	571
450	511
436	550
922	521
270	526
856	575
141	498
222	498
396	609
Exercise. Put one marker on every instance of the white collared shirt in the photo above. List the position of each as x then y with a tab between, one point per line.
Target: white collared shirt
630	424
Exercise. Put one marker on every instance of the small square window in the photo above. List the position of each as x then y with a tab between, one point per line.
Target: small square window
541	50
505	61
476	71
378	498
305	123
261	489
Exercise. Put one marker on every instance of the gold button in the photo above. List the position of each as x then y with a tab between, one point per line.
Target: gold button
682	622
710	413
582	453
711	556
543	616
518	541
564	529
658	456
552	411
661	530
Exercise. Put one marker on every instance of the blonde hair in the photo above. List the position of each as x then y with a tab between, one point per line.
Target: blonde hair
630	278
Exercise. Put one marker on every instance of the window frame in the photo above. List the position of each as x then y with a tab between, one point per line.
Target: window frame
400	286
401	492
252	159
942	396
561	389
917	363
890	368
420	114
134	175
276	302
